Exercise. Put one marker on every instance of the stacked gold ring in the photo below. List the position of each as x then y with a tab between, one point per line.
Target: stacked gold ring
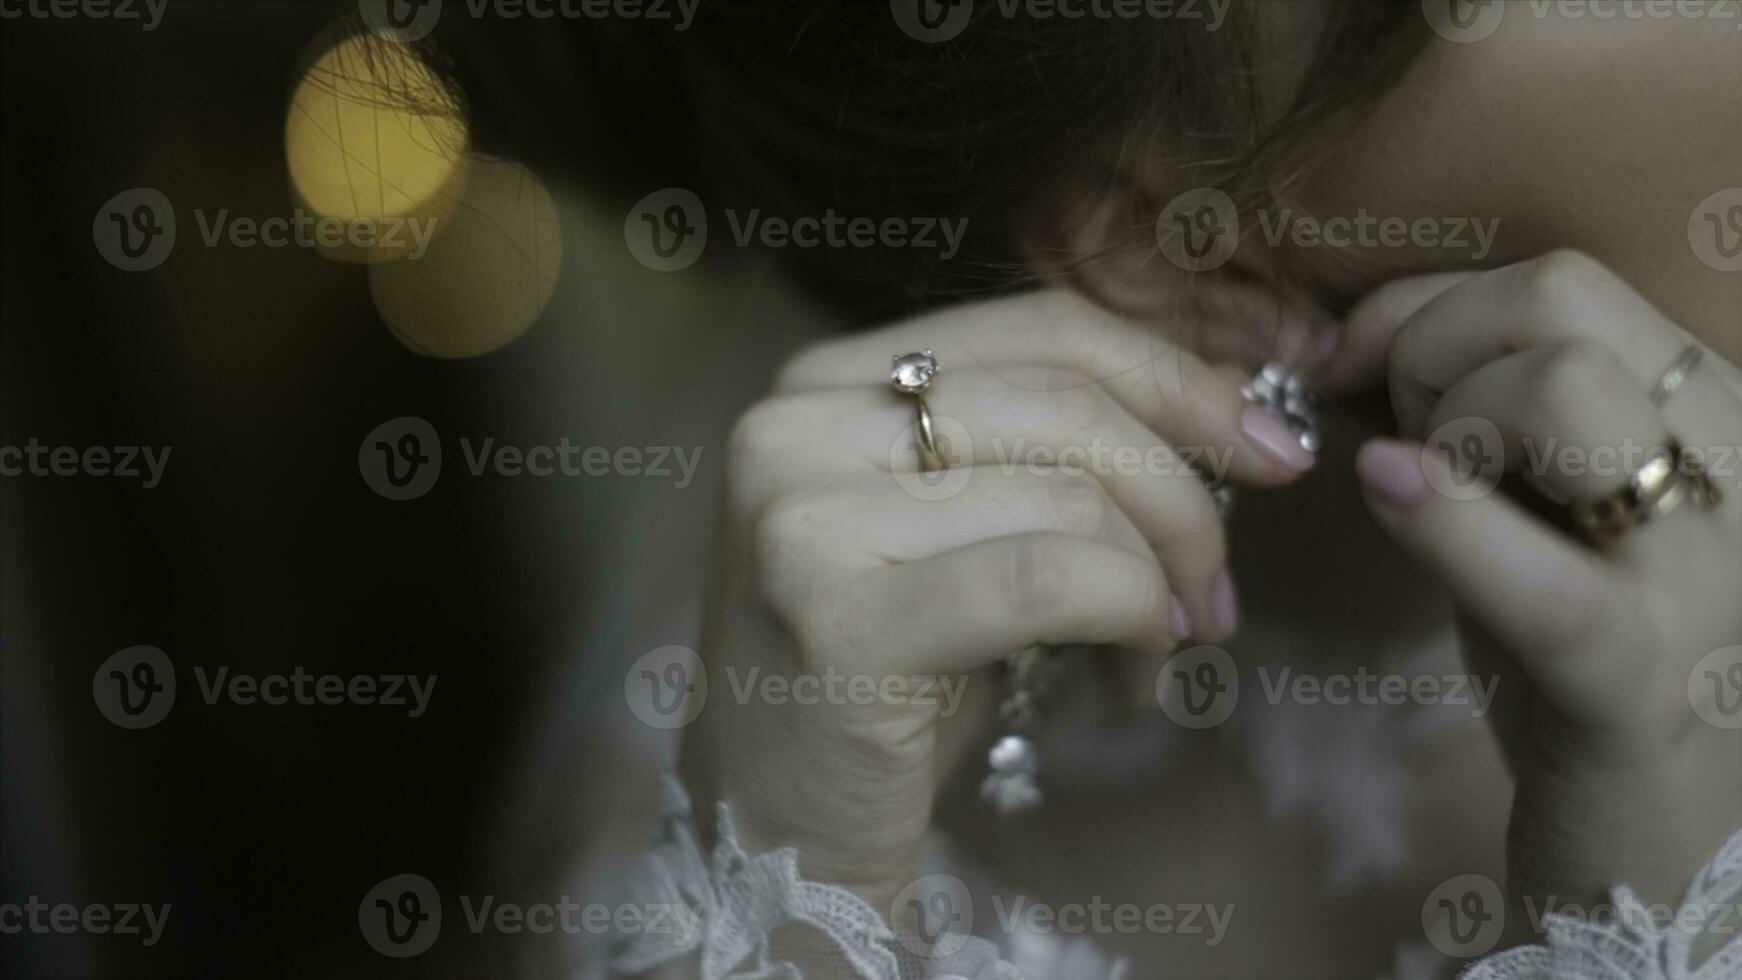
1666	482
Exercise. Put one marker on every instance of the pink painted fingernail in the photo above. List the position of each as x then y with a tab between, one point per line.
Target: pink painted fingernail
1273	437
1182	624
1391	471
1224	606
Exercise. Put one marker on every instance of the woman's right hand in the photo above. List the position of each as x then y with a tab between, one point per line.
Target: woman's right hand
853	601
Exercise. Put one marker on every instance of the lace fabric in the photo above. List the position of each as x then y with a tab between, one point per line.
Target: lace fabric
738	901
735	901
1636	945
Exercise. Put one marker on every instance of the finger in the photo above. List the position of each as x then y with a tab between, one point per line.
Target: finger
974	605
890	526
1169	389
1568	418
1037	421
1540	593
1362	358
1553	300
894	527
782	444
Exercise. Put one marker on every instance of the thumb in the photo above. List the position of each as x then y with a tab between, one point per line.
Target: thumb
1362	356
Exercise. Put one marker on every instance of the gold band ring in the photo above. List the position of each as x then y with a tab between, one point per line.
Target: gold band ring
1667	481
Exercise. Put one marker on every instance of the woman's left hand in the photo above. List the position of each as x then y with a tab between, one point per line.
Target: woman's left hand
1620	695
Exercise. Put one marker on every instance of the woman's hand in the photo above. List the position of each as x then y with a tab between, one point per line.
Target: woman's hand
1624	772
1067	516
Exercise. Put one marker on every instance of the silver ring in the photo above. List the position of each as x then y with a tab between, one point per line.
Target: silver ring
1678	374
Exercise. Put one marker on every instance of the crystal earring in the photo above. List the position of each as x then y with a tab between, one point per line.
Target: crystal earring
1013	785
1284	395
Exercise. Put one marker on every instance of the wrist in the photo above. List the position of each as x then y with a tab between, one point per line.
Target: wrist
1651	824
874	855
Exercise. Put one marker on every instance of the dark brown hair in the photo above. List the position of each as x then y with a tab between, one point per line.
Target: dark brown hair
799	107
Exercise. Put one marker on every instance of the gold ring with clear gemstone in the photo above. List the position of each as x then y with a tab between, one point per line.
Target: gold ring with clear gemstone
912	374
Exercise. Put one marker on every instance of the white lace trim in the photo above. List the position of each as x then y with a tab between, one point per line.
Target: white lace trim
1635	946
738	901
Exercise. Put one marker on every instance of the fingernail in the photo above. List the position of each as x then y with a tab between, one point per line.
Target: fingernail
1224	606
1273	437
1182	624
1392	472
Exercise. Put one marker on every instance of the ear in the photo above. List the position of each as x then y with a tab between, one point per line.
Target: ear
1113	241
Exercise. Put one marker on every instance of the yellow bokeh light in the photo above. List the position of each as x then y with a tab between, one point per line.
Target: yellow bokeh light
463	250
489	273
373	136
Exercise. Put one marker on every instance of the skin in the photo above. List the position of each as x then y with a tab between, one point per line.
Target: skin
1591	142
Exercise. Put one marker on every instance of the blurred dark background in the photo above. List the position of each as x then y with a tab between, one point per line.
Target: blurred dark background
263	549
